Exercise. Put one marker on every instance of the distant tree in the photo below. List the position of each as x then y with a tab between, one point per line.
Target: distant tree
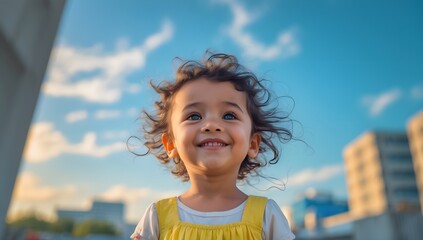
32	223
94	227
62	225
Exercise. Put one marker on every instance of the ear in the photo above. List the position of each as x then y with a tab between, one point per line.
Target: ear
254	145
168	145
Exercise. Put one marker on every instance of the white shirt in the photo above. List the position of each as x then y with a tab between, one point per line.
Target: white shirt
275	225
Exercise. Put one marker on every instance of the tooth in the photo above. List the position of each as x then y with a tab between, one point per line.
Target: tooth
213	144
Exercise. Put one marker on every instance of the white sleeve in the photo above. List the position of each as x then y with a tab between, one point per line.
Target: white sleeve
148	226
275	225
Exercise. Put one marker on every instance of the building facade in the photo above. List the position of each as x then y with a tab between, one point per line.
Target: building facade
415	135
380	174
309	210
383	193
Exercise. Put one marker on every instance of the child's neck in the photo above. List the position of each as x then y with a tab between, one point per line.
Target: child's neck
210	194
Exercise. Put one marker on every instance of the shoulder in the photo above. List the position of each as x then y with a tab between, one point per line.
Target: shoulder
148	226
269	204
165	201
275	224
273	211
272	206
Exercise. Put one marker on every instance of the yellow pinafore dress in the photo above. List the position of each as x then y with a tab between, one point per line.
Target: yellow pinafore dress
250	227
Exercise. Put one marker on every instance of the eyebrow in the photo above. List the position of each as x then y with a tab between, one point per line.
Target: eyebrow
191	105
194	104
233	105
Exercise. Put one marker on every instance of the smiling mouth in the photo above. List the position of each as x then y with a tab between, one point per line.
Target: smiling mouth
213	144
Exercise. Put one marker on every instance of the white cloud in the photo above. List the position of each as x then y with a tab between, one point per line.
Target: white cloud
44	143
417	92
378	103
104	72
76	116
285	45
102	114
137	199
107	114
31	194
315	175
89	147
29	188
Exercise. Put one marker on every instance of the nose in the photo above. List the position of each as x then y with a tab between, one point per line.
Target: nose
211	126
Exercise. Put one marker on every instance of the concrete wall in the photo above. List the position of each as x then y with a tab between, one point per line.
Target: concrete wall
27	32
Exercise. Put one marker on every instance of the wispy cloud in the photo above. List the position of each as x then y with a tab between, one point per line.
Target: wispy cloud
107	114
119	134
315	175
101	114
417	92
378	103
67	75
76	116
285	45
44	142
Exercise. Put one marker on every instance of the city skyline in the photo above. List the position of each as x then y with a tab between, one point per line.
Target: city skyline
341	64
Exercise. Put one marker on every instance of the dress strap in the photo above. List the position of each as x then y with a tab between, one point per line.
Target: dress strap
167	212
254	211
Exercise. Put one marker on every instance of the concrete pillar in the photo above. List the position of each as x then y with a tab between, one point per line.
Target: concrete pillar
27	32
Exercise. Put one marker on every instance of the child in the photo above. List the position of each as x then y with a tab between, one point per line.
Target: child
211	128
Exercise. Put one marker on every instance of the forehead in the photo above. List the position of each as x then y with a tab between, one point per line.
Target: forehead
209	92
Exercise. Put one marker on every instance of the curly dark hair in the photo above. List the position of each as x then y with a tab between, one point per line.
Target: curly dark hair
266	120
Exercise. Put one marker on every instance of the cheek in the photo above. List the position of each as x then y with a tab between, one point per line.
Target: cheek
248	130
242	133
184	136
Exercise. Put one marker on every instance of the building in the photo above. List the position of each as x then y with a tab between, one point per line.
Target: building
311	208
390	225
384	201
75	215
415	136
380	174
112	212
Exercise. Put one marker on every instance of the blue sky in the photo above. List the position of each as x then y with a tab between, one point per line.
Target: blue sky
349	66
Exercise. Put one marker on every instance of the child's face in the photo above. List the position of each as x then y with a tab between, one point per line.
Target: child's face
211	128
